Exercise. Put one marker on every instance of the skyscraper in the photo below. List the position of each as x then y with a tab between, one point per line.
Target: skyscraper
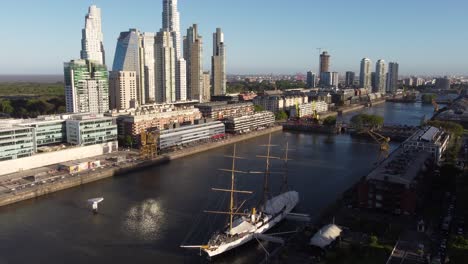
392	77
171	24
365	77
311	79
349	80
129	57
148	41
193	54
218	64
86	87
330	79
92	47
206	86
324	62
165	68
380	77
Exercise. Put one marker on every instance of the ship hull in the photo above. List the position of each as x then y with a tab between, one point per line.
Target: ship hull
287	201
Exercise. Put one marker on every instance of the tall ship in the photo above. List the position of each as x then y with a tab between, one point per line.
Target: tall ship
244	226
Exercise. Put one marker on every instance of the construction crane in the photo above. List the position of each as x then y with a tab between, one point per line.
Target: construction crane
382	140
148	145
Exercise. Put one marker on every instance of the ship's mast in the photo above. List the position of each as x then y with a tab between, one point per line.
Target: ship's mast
267	170
284	188
232	210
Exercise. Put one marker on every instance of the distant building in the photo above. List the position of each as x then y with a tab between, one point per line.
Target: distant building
324	62
92	47
311	79
122	90
129	57
309	109
275	103
86	87
442	83
365	77
329	79
218	64
349	80
392	77
222	110
247	123
380	77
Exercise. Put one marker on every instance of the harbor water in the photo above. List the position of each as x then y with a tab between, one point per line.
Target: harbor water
147	215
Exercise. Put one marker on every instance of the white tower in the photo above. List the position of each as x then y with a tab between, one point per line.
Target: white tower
92	47
365	78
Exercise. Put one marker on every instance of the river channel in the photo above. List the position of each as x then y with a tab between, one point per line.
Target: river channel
146	215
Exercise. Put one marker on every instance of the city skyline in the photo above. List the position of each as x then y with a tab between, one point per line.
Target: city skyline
427	46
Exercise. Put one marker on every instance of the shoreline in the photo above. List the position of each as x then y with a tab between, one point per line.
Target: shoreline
100	174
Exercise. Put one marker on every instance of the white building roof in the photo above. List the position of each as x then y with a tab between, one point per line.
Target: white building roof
325	236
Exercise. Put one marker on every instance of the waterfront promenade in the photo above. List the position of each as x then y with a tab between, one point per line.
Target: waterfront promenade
62	181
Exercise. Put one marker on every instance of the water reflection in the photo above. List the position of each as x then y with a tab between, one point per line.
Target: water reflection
145	219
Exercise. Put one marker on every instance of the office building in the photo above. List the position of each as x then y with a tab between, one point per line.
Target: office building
365	77
222	110
429	139
218	64
181	80
148	43
311	80
165	68
92	47
129	57
15	141
86	87
190	134
193	54
380	77
48	130
86	130
392	77
349	79
247	123
122	90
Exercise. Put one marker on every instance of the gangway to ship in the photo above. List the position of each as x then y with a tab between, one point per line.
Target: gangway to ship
298	217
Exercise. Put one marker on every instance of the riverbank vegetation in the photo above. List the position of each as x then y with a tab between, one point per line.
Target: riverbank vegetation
29	100
244	86
365	121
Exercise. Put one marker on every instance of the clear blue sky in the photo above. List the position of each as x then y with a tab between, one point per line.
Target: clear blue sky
262	36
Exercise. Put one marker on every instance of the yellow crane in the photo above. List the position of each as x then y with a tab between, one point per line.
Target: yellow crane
436	106
148	144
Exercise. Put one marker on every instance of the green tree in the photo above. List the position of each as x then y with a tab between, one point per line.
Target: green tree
428	98
330	121
259	108
5	107
129	141
362	121
281	115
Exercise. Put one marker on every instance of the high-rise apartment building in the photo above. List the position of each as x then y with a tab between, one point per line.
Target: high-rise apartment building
92	47
206	97
218	64
171	24
129	57
86	87
365	77
148	42
392	77
380	77
165	68
122	89
349	78
193	54
311	80
330	79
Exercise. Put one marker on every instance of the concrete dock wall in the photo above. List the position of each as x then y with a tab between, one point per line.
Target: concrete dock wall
99	174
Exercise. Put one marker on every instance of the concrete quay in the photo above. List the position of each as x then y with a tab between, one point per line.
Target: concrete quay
70	181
